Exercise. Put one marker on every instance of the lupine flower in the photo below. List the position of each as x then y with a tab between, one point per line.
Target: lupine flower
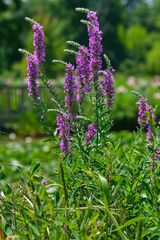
64	133
95	46
32	77
70	88
108	88
143	118
82	72
38	43
92	130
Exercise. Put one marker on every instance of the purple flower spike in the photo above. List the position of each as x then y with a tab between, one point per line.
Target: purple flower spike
143	107
143	118
38	43
95	45
32	76
70	88
149	133
108	88
64	133
82	72
92	130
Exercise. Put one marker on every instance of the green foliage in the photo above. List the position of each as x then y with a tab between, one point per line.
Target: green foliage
120	20
135	36
118	195
152	58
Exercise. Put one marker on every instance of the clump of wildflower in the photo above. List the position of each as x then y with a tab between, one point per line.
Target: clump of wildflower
82	72
95	45
38	43
70	88
32	77
92	130
143	120
108	88
64	133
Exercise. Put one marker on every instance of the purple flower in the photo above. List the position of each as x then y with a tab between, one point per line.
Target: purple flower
64	133
70	88
83	72
42	116
38	43
108	88
45	182
158	150
95	46
151	166
143	108
92	130
158	153
32	77
143	118
149	133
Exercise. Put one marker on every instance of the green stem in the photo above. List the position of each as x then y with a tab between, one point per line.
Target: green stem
63	182
155	180
96	89
62	174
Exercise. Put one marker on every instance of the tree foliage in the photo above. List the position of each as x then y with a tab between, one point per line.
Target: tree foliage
119	19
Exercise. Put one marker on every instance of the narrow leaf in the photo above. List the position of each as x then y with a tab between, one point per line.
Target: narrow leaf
20	234
130	222
34	227
36	168
105	189
42	192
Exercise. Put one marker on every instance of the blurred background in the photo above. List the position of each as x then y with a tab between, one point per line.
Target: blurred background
131	39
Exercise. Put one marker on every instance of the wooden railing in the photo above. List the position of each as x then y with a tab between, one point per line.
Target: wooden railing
14	100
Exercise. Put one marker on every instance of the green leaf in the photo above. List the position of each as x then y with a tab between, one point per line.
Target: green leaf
33	164
34	227
146	232
3	224
20	234
74	168
42	192
105	189
35	169
147	188
7	191
123	237
22	182
130	222
28	200
43	220
26	175
75	234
